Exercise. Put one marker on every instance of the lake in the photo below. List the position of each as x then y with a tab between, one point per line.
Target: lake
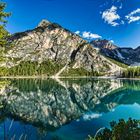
65	109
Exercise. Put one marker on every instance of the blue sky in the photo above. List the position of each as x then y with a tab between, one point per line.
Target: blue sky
115	20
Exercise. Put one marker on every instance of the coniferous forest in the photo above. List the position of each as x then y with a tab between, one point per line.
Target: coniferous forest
131	72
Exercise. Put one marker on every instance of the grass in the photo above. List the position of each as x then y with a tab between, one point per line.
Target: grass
120	64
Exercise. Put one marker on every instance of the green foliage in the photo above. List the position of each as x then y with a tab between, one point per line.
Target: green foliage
46	68
3	14
28	68
123	130
49	68
120	64
4	83
3	35
24	68
3	32
80	72
3	71
131	72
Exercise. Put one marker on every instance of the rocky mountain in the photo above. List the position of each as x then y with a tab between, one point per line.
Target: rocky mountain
128	56
53	50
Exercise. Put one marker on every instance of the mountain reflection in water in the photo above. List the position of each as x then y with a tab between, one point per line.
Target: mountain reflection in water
66	108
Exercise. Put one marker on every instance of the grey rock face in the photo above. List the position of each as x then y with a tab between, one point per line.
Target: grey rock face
49	41
128	56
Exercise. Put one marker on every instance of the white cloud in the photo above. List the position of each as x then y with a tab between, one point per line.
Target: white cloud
89	35
132	17
110	16
77	32
135	12
112	41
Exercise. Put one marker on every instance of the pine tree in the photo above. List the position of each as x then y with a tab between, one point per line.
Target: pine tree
3	32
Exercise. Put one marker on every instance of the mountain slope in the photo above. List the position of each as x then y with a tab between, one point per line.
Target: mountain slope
48	48
128	56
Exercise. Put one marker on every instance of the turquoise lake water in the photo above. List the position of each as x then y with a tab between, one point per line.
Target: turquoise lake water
65	109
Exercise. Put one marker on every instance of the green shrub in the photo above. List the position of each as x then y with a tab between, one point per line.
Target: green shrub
123	130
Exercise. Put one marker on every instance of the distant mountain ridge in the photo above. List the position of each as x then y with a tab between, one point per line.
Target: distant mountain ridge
49	49
128	56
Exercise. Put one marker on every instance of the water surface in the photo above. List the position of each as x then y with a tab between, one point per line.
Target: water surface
66	109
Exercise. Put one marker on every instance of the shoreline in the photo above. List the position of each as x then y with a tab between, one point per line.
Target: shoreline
64	77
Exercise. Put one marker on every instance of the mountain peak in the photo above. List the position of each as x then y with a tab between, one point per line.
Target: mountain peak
138	48
43	23
103	44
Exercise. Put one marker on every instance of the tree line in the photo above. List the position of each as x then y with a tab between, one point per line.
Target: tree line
131	72
28	68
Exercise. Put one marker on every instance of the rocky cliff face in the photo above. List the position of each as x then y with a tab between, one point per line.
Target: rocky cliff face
49	41
103	44
128	56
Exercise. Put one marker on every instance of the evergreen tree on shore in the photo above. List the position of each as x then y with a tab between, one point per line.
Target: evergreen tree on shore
131	72
3	32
